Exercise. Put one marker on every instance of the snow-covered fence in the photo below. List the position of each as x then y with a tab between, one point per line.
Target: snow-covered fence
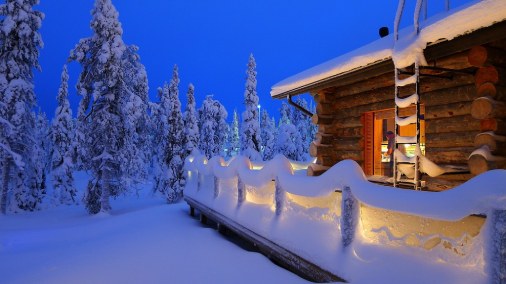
264	197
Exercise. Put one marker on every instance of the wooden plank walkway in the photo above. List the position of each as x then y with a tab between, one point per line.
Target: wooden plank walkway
273	251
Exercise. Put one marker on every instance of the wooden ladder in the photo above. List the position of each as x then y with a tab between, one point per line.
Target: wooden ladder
399	157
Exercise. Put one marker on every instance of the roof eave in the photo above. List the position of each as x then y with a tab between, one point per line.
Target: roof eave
433	51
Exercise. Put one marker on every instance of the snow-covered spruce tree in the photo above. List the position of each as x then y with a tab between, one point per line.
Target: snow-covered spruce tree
135	152
41	157
62	154
174	146
268	136
288	136
213	127
169	138
160	127
234	143
191	126
250	130
101	84
19	51
303	125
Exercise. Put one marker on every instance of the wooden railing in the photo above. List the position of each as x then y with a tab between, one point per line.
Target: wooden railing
452	226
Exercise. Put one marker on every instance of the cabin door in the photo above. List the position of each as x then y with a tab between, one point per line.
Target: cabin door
376	125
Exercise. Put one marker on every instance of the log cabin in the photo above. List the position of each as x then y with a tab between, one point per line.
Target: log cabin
439	85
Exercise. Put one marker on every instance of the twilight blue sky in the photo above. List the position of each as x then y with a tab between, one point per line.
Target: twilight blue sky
210	41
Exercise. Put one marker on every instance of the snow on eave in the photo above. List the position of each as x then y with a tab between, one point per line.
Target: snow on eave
375	52
447	25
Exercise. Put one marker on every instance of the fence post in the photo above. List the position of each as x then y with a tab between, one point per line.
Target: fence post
241	191
497	251
216	186
279	197
199	180
349	216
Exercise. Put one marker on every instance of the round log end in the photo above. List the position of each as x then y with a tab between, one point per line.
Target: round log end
313	150
486	74
477	56
485	139
481	108
478	164
487	89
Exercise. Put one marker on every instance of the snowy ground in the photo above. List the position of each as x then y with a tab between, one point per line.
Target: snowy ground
144	240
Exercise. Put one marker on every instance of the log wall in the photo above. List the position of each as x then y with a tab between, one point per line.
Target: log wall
456	111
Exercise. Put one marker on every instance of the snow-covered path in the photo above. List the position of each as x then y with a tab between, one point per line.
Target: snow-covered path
143	241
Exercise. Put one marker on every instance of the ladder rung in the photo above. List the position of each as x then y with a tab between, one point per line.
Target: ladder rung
403	121
405	139
401	158
406	102
406	81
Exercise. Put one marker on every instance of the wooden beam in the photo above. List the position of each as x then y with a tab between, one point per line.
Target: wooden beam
448	110
455	155
460	123
450	139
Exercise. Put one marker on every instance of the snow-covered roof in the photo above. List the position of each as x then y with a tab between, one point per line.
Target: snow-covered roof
447	25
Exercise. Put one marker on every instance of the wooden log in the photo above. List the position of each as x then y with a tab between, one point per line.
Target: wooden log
320	97
316	150
456	61
316	170
347	122
350	122
353	144
498	126
368	84
322	138
492	90
481	56
428	85
325	109
459	123
327	161
488	74
437	184
450	139
449	110
454	155
350	132
496	143
322	119
352	155
479	164
449	95
486	107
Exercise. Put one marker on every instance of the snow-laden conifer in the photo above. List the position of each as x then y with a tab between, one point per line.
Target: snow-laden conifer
135	152
268	131
168	170
234	144
191	126
213	127
19	51
62	154
288	142
101	84
303	125
250	130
